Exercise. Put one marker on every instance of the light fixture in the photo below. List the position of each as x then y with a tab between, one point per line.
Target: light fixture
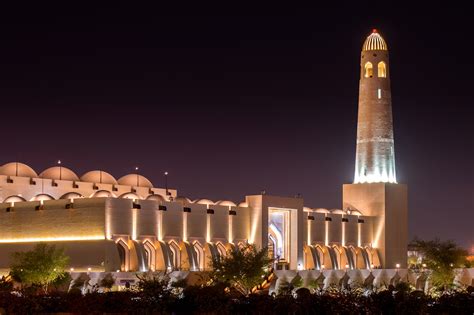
397	266
89	269
72	269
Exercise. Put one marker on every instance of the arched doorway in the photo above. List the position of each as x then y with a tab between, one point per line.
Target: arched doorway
123	252
150	255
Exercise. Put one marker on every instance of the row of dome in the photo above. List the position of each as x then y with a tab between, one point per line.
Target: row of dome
129	195
64	173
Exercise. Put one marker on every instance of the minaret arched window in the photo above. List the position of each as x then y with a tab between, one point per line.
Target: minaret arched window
382	70
368	70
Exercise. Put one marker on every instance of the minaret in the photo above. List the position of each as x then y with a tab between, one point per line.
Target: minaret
375	155
375	192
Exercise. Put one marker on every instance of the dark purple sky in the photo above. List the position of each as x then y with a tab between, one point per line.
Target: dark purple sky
232	100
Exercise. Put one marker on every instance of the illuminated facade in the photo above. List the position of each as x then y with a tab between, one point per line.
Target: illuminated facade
128	224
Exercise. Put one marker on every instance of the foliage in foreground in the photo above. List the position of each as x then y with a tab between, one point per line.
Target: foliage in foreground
242	268
441	259
41	266
214	300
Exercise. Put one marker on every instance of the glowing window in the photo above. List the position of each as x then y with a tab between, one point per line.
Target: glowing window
379	93
382	70
368	70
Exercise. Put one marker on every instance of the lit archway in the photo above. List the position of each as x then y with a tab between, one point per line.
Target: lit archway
174	255
150	252
124	255
382	70
368	70
199	262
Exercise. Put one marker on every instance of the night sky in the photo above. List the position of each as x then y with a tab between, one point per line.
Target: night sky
235	99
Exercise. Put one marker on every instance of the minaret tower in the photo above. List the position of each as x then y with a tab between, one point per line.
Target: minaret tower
375	155
375	192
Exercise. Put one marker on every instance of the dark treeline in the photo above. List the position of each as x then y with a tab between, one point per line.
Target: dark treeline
212	300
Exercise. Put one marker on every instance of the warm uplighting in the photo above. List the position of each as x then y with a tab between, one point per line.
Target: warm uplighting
208	227
397	266
322	266
89	269
185	226
374	42
134	223
72	269
359	233
326	232
53	239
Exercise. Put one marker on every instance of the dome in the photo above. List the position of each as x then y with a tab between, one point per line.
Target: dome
102	194
17	169
354	212
156	197
227	203
71	195
98	177
374	42
14	199
42	197
337	211
129	195
243	204
322	210
135	180
59	172
307	209
183	200
204	201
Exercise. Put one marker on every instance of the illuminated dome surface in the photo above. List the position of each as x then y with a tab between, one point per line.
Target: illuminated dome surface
135	180
156	197
374	42
17	169
59	172
98	177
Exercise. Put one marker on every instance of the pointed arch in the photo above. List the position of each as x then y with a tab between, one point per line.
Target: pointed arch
277	238
174	255
324	257
221	249
312	258
150	255
382	70
199	259
124	255
368	70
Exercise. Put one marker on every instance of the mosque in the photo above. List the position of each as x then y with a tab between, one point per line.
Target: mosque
127	224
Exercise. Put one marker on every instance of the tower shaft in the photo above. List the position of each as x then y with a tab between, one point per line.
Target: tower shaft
375	154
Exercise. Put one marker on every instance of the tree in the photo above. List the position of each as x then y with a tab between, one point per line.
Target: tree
243	268
441	258
40	266
107	282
